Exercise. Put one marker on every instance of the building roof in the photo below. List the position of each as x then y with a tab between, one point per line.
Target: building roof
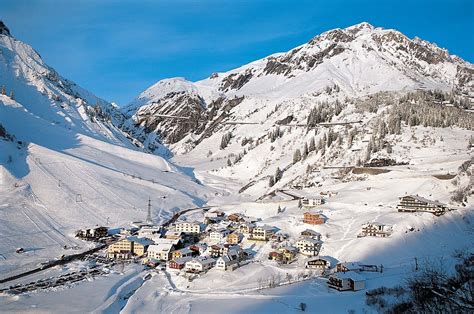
349	275
173	232
310	240
351	265
142	241
316	258
266	227
311	232
186	250
422	199
162	247
182	260
204	260
164	240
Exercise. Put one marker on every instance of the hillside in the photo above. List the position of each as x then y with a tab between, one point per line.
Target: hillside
65	164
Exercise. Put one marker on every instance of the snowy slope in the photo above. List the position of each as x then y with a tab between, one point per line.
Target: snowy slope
66	164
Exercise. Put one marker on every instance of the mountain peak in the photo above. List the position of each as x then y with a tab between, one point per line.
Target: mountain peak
361	25
4	29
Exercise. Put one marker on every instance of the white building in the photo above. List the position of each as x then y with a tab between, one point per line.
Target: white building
160	251
262	233
312	201
218	235
188	227
199	264
309	246
375	229
226	263
346	281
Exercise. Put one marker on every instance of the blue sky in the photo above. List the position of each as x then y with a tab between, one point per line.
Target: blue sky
117	49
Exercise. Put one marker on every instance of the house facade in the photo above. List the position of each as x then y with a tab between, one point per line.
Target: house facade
128	247
311	234
346	281
92	233
188	227
161	251
415	203
262	233
199	264
375	230
234	238
179	263
317	263
226	263
219	235
182	253
309	246
311	201
313	218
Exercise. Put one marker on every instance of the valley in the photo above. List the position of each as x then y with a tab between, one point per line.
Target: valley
357	119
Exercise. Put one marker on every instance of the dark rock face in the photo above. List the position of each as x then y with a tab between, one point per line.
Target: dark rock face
4	29
236	81
171	130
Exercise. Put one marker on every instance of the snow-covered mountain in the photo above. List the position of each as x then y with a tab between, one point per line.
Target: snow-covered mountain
353	62
66	164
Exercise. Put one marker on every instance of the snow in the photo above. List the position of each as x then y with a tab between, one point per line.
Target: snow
72	170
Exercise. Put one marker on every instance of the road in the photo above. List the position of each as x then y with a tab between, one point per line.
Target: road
70	258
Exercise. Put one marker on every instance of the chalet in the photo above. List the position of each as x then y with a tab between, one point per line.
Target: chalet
246	228
218	235
375	230
236	217
218	250
151	262
198	248
179	263
311	234
349	266
128	248
328	193
317	263
182	253
199	264
312	201
234	238
346	281
262	233
161	251
279	237
415	203
309	246
288	252
189	227
214	213
226	263
275	256
174	235
129	231
177	243
313	218
285	254
149	232
92	234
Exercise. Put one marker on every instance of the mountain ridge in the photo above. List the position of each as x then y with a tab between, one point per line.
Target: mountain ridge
352	62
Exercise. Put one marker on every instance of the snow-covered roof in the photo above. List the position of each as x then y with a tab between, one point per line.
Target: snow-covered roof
162	247
349	275
422	199
310	240
142	241
183	260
